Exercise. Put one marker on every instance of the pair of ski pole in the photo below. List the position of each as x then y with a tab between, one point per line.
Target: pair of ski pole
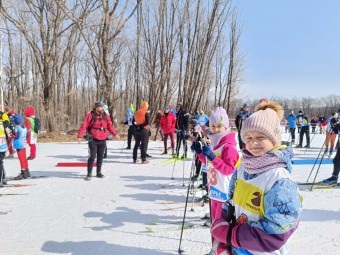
316	160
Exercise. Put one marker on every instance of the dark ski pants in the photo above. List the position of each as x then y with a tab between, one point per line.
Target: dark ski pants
304	130
292	133
142	139
180	139
131	133
336	159
2	169
97	148
240	142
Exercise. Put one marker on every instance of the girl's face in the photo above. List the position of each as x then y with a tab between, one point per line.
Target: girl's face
217	128
258	143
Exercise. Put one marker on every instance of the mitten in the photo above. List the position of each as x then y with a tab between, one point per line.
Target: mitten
196	147
221	248
207	151
219	230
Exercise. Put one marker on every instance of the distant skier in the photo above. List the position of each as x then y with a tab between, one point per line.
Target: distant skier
240	118
313	123
202	119
157	123
19	136
141	122
167	124
304	123
265	205
182	129
99	125
332	130
131	130
32	137
4	132
323	124
336	164
292	125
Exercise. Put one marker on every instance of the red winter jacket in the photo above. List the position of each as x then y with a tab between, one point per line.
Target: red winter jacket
168	123
98	129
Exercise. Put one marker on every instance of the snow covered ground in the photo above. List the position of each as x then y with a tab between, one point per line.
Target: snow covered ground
136	209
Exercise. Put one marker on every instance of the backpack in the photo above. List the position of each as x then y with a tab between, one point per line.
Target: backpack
37	125
87	135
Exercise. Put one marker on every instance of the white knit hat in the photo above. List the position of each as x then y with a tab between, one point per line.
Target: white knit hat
266	120
219	116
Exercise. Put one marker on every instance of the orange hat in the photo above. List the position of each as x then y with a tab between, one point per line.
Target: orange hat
145	104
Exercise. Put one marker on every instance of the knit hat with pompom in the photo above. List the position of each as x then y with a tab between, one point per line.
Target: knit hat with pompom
266	119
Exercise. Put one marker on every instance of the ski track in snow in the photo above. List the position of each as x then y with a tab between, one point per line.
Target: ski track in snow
136	208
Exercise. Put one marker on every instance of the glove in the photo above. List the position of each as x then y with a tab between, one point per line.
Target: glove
221	248
196	147
219	230
207	151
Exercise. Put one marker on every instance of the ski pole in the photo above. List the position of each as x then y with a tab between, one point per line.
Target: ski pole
178	145
317	158
309	143
121	151
195	189
185	210
317	172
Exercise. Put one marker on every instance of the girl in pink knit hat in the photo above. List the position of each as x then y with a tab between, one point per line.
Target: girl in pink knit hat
264	204
222	157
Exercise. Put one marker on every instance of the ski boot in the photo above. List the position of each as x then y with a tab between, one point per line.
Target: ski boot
326	151
21	176
28	173
100	175
307	146
330	153
88	176
331	180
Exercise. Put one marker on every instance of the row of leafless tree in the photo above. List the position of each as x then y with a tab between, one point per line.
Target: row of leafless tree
310	106
62	55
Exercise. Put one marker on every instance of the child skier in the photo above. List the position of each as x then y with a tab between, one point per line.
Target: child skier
222	157
32	135
19	143
263	196
4	130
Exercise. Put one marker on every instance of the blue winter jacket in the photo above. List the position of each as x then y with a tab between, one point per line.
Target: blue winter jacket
291	121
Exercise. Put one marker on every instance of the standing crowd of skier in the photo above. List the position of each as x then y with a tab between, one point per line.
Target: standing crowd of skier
255	205
16	132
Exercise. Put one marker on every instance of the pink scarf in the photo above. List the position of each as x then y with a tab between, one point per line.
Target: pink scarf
256	165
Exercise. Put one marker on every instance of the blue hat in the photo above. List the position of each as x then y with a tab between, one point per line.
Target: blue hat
246	105
167	107
129	110
17	119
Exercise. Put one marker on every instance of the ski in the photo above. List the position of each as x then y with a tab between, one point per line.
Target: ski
32	177
12	194
311	183
331	186
16	185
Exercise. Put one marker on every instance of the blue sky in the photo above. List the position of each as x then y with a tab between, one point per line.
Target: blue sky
292	48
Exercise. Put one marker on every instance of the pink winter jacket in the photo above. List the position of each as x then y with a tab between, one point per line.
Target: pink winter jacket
229	156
